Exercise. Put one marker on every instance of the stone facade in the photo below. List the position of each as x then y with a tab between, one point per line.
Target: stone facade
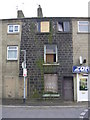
80	42
12	85
33	42
80	48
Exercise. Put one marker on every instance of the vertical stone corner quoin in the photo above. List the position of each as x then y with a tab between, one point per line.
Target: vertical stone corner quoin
0	62
89	55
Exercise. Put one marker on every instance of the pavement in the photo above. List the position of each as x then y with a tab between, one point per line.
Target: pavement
38	102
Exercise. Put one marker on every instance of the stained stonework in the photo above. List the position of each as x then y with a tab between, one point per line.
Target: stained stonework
33	42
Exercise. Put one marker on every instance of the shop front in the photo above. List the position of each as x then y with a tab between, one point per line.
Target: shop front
81	82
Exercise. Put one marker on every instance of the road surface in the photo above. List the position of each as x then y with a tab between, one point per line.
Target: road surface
43	112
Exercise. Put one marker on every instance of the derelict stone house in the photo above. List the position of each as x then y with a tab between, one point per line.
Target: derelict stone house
49	55
56	47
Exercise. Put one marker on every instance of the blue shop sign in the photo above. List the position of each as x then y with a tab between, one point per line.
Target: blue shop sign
81	69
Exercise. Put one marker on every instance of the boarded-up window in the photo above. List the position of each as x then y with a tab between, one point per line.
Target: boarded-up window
43	26
50	58
50	83
50	53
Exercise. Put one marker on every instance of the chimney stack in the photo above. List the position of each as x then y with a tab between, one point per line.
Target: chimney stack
20	14
39	12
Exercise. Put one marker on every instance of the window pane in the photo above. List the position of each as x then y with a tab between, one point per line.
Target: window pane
16	28
60	26
83	28
66	26
44	26
38	27
11	28
50	58
83	84
12	54
51	49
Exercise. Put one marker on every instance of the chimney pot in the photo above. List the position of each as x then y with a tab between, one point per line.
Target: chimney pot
20	14
39	12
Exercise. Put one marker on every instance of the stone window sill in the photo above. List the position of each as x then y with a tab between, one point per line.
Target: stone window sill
41	33
46	64
64	32
51	95
12	60
13	33
83	32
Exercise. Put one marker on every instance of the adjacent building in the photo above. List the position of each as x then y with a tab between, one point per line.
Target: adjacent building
56	57
49	56
81	29
12	84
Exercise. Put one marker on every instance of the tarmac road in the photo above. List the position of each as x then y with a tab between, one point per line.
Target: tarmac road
43	111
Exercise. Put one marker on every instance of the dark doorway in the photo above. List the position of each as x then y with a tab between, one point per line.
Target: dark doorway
68	92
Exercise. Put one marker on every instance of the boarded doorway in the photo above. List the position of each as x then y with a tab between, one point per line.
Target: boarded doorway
68	92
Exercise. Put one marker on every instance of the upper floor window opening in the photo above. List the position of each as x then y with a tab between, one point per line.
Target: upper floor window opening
43	26
83	26
13	28
50	54
63	26
12	52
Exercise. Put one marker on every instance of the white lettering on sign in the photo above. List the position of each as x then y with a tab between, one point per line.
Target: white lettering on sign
81	69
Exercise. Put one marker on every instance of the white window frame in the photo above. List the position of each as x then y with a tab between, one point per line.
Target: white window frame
83	25
45	55
12	49
13	28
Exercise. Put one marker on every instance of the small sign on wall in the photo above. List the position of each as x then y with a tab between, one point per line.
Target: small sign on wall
81	69
25	72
